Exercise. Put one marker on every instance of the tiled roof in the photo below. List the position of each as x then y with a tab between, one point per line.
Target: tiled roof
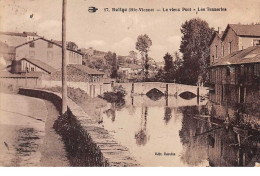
249	55
243	30
41	65
246	30
87	70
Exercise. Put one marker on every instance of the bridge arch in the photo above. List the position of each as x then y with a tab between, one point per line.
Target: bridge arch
142	88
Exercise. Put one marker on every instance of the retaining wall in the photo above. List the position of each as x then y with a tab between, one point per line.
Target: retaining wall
92	89
86	142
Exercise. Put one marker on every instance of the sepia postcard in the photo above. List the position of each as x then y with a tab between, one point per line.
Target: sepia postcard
140	83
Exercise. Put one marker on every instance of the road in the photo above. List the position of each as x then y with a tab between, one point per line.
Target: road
27	137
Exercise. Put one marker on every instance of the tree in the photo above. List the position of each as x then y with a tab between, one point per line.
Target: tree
133	54
97	64
109	58
121	60
168	67
114	67
159	76
177	67
196	35
177	63
146	66
72	45
143	45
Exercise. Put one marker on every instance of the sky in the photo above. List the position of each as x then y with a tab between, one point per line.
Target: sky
118	31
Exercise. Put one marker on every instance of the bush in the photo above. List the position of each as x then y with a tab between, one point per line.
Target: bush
117	95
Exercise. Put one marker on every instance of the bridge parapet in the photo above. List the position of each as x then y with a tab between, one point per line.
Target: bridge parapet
141	88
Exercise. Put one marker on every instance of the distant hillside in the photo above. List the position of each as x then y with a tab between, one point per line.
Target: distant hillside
96	59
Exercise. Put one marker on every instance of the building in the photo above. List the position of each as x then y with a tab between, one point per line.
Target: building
77	75
131	70
235	73
47	52
33	65
235	76
235	37
14	38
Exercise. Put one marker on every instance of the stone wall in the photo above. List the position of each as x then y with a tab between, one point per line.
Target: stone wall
141	88
21	82
92	89
86	142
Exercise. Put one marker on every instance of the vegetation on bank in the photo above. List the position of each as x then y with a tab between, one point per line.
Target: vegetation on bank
191	67
91	105
116	96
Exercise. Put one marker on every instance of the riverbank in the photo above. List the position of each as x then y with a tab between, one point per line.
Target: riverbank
87	142
91	105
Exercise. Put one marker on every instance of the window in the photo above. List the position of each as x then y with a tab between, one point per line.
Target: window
31	44
26	68
50	45
216	51
223	50
230	47
32	69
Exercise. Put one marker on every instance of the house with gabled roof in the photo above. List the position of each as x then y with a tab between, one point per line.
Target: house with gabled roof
48	52
235	37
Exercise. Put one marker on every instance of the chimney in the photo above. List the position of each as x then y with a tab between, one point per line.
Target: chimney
218	29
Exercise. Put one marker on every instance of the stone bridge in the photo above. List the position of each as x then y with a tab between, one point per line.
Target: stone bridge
141	88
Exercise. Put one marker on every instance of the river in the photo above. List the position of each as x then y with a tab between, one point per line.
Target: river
166	132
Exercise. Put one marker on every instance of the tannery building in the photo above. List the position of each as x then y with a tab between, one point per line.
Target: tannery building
235	72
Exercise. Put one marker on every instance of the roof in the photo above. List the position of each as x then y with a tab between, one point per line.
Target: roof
41	65
6	74
249	55
87	70
108	80
30	33
243	30
216	34
132	66
24	34
50	41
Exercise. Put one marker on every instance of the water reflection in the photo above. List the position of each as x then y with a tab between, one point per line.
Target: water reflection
111	113
141	136
167	115
146	127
